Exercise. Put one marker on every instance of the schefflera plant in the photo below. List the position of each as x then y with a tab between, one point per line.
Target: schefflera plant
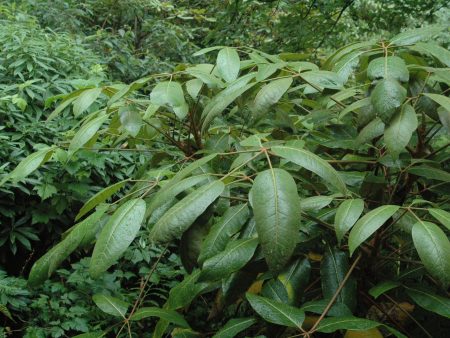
316	190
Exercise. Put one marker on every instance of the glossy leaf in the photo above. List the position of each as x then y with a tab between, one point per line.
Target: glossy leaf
234	326
386	97
328	325
86	132
315	203
111	305
430	301
295	278
131	121
270	94
318	306
391	67
400	130
179	217
276	312
441	215
228	64
383	287
368	224
312	162
275	204
346	216
433	248
166	314
116	236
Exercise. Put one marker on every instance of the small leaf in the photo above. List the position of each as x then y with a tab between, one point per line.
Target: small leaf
430	301
228	64
400	130
386	97
391	67
368	224
116	236
233	258
312	163
441	215
346	216
275	203
168	315
179	217
270	94
111	305
85	133
234	326
433	248
85	100
276	312
383	287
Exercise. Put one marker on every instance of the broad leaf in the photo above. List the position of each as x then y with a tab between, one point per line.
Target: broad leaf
86	132
372	130
85	100
318	306
346	216
441	215
295	279
315	203
430	173
234	326
386	97
323	79
131	121
328	325
116	236
368	224
383	287
430	301
111	305
444	101
391	67
433	49
270	94
313	163
433	248
228	64
412	36
179	217
276	312
168	315
275	204
400	130
170	93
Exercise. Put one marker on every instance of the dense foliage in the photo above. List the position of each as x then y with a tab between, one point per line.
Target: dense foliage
254	187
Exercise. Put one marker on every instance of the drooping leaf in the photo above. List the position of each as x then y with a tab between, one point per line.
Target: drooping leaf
168	315
346	216
444	101
441	215
276	312
85	133
270	94
430	301
193	87
400	129
368	224
111	305
234	257
170	93
433	248
220	234
386	97
323	79
391	67
313	163
179	217
131	121
228	64
275	204
412	36
116	236
383	287
430	173
333	268
433	49
85	100
234	326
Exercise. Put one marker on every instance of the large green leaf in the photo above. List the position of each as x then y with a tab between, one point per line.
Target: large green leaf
400	130
170	93
228	64
111	305
295	279
86	132
184	293
220	234
169	315
131	121
383	287
270	94
179	217
100	197
430	173
333	268
372	130
116	236
391	67
386	97
412	36
433	49
275	204
276	312
444	101
234	326
234	257
315	203
368	224
441	215
346	216
328	325
430	301
433	248
85	100
323	79
313	163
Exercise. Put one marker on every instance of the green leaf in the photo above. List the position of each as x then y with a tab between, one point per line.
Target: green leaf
383	287
98	334
391	67
400	130
346	216
430	301
333	268
386	97
228	64
355	106
170	93
206	50
433	248
433	49
85	133
444	101
270	94
116	236
275	204
441	215
318	306
276	312
169	315
412	36
220	234
315	203
185	292
85	100
323	79
374	129
430	173
234	257
234	326
193	87
368	224
111	305
100	197
295	279
131	121
45	190
179	217
328	325
313	163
